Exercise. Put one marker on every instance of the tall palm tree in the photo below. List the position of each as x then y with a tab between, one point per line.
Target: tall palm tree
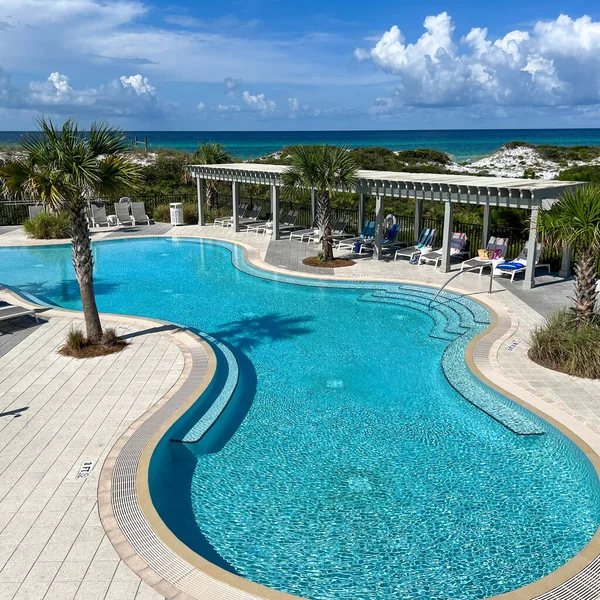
326	169
212	153
64	168
574	221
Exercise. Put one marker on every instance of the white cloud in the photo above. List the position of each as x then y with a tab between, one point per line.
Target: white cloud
201	106
139	84
553	64
228	108
231	85
129	96
259	103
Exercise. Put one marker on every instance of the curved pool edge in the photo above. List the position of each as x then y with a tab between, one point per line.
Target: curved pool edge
182	571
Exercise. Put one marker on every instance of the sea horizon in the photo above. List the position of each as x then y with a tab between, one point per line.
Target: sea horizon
461	144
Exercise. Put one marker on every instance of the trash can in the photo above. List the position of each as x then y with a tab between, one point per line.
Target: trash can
176	213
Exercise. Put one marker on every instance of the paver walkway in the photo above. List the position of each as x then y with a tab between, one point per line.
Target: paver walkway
52	544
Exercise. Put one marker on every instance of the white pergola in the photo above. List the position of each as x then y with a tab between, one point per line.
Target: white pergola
529	194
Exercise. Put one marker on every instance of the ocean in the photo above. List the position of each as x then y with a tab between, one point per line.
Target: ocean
461	144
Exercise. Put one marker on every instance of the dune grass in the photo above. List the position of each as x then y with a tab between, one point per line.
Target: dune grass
568	345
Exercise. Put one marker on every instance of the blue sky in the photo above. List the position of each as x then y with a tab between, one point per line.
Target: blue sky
273	64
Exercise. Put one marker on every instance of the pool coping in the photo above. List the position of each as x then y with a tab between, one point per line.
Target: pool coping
574	578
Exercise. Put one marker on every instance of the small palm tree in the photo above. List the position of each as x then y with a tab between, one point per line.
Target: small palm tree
326	169
575	221
212	153
64	168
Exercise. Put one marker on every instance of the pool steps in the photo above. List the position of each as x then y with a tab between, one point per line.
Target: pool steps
208	419
452	319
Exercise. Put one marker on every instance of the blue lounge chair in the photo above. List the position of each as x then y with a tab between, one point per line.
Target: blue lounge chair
367	235
425	244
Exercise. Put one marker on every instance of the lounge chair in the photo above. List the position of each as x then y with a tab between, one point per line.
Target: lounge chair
253	217
337	232
288	224
519	265
222	221
9	311
423	246
138	212
365	237
35	209
300	234
98	216
389	240
458	245
122	214
497	245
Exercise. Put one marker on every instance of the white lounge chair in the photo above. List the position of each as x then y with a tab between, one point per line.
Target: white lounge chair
300	234
8	311
458	244
122	214
138	213
337	232
98	216
267	227
253	217
423	246
497	245
222	221
35	209
519	265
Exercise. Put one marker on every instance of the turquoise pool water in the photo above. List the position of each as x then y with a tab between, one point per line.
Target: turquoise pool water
358	457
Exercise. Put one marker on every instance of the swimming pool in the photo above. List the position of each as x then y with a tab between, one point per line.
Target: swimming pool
347	464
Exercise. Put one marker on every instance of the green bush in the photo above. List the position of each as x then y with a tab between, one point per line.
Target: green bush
162	214
583	173
47	226
565	344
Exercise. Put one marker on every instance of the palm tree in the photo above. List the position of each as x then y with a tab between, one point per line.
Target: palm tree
574	221
64	168
327	170
212	153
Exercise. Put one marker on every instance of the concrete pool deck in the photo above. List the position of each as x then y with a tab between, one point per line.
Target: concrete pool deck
569	400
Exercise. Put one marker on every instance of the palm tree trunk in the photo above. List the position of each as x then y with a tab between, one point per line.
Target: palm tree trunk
324	221
586	277
83	262
211	194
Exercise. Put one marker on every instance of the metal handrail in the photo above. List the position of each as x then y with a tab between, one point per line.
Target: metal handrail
465	271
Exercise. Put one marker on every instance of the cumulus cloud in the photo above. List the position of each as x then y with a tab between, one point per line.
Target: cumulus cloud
231	85
201	106
138	84
555	63
259	103
228	108
128	96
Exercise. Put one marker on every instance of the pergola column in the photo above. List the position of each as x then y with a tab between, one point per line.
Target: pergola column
313	206
529	281
487	224
378	225
565	265
235	199
361	212
201	200
448	215
418	218
275	194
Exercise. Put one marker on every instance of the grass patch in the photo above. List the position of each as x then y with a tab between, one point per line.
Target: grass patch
47	226
336	263
564	344
78	346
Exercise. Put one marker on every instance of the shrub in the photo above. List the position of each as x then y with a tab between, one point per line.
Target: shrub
78	346
584	173
48	226
565	344
161	213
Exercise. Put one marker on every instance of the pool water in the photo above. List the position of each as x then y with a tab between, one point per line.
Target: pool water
347	464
